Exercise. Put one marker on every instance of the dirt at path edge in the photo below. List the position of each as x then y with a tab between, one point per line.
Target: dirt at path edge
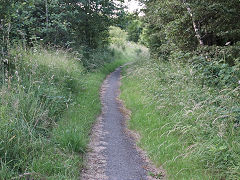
113	153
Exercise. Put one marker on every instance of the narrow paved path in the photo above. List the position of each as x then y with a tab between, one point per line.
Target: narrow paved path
113	155
123	160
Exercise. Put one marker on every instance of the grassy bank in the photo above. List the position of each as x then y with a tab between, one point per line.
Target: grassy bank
48	104
191	129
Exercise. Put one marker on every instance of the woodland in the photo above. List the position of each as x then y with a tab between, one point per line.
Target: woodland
185	54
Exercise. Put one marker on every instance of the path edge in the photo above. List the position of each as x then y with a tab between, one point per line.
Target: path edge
136	137
91	170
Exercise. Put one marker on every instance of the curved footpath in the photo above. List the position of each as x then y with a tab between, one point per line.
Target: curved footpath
112	153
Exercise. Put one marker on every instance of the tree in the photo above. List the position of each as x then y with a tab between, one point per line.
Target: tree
66	22
186	24
134	28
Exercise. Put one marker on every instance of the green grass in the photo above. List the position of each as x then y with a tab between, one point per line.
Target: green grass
41	85
188	129
47	108
73	130
48	105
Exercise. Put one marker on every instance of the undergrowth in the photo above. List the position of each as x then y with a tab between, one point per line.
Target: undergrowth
49	100
48	104
189	127
38	87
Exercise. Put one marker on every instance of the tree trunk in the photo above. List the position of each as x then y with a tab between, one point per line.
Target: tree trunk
46	6
195	27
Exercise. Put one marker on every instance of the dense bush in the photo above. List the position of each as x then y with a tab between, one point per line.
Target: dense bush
134	30
185	23
216	66
204	33
63	23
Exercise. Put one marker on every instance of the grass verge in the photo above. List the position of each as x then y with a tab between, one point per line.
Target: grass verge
73	130
49	100
192	131
48	104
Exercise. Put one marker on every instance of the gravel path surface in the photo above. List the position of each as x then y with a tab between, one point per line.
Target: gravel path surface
113	155
123	160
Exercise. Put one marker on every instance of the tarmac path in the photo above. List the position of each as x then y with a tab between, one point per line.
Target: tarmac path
113	154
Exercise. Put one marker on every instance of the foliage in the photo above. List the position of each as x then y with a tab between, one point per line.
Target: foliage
122	48
132	24
118	37
82	26
41	85
186	126
218	68
47	108
185	102
170	25
134	30
62	23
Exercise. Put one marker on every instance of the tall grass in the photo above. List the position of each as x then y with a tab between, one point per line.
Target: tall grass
123	49
41	84
190	128
48	104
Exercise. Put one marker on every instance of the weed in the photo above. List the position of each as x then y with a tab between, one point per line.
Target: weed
188	128
47	108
